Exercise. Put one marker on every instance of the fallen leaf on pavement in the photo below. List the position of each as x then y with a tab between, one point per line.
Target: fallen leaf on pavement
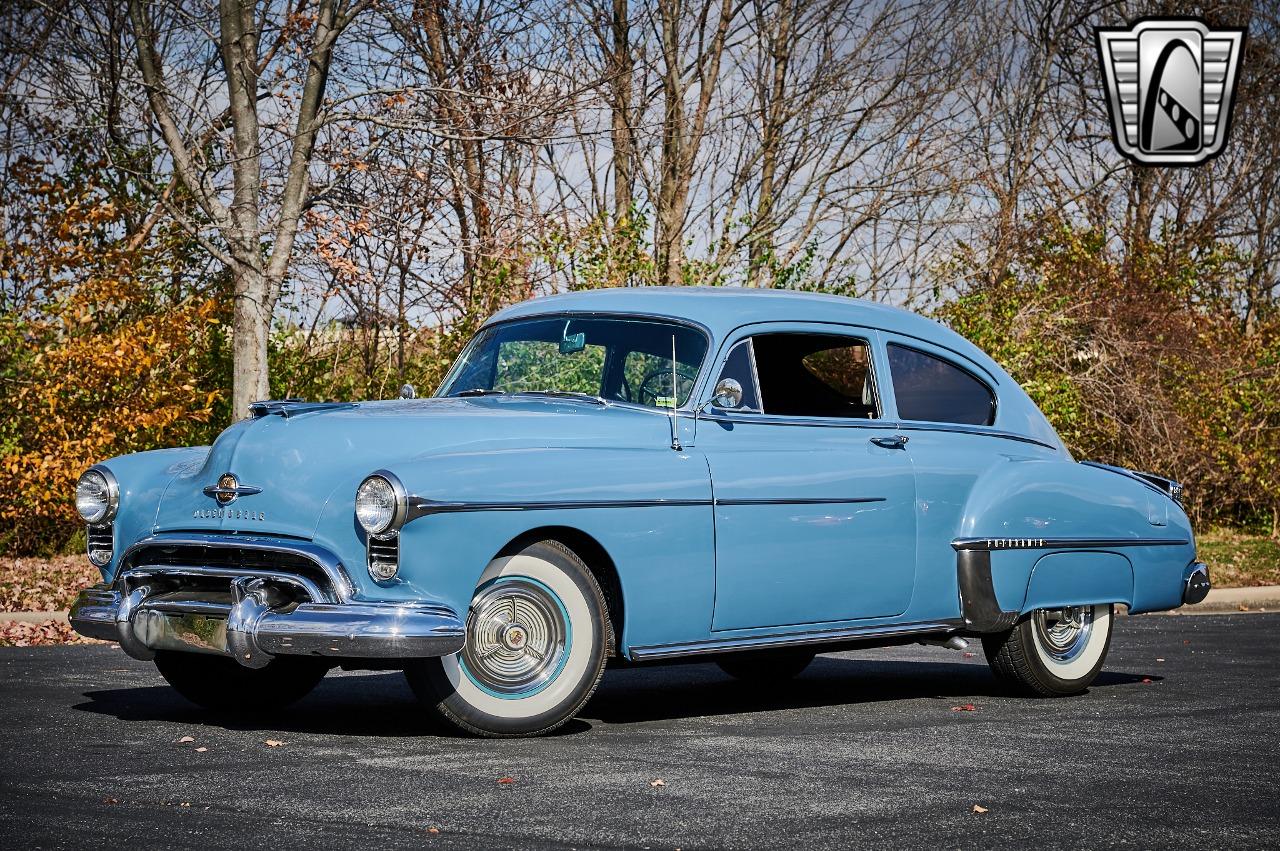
978	808
1158	659
185	804
185	739
968	655
110	801
658	782
506	780
964	707
433	830
201	750
273	743
1146	681
1242	607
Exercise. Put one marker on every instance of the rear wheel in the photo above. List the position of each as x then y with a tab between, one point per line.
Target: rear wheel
225	685
1052	652
766	666
538	634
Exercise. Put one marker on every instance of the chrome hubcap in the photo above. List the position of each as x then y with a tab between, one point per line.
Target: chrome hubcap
516	636
1063	633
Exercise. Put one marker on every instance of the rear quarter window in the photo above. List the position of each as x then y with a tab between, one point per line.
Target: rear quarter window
931	389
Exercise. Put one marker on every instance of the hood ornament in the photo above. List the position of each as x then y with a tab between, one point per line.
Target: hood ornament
228	489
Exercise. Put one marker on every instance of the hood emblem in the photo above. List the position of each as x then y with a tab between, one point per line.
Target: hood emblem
228	489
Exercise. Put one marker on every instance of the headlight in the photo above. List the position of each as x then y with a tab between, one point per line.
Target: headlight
381	503
97	495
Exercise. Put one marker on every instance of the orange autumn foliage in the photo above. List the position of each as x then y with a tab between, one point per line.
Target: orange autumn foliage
106	346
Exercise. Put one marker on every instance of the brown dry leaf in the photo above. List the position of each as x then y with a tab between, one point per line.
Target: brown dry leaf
110	801
964	707
978	808
1146	681
185	804
273	743
201	750
185	739
505	780
433	830
968	655
658	782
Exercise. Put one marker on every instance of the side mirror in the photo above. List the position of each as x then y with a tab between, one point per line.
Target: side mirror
727	394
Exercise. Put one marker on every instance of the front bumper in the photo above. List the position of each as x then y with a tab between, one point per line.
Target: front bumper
253	614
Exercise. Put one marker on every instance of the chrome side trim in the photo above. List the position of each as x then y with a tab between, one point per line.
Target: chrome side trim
981	431
795	639
322	558
991	544
422	507
802	501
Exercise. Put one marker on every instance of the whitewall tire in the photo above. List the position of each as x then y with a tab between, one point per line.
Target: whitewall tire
538	635
1053	652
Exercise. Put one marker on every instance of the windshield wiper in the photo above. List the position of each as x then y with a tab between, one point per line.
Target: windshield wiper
478	391
566	394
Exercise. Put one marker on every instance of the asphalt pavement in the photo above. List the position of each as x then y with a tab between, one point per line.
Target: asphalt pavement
1177	744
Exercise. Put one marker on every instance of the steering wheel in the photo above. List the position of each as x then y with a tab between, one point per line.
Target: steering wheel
648	395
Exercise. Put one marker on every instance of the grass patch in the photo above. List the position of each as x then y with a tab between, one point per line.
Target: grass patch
1239	560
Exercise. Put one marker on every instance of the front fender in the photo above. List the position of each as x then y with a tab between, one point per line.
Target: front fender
144	477
650	509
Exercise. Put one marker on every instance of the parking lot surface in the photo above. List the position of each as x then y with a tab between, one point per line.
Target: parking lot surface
1177	744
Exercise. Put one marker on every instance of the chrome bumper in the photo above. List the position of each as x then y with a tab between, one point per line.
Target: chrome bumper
1195	584
252	631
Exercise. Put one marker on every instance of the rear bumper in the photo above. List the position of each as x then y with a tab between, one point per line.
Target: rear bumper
1195	583
251	631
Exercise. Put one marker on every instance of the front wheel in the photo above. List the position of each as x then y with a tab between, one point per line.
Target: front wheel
1052	652
224	685
538	634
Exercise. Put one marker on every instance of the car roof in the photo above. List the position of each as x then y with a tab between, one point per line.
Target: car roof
723	309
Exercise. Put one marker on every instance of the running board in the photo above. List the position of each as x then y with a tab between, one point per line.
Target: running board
791	639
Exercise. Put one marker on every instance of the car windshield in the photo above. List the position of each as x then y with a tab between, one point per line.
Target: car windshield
625	360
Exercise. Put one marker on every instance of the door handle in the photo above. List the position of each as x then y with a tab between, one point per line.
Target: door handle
897	441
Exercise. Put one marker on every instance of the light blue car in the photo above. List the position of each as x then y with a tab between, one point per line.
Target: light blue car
630	476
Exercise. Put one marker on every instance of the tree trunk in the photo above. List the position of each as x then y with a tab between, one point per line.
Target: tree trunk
250	380
621	72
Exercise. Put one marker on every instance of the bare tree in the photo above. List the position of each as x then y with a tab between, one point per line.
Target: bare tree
256	249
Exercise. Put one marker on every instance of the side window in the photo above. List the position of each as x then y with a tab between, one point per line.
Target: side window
741	367
815	375
933	390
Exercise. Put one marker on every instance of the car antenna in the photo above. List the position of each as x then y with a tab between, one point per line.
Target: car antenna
675	436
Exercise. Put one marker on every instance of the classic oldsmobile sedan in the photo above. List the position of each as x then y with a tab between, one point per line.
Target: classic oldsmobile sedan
627	476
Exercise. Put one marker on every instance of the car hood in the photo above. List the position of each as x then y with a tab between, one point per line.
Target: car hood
302	460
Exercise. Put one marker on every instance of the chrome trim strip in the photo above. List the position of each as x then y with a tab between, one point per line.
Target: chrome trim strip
980	431
828	636
422	507
992	544
316	554
802	501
